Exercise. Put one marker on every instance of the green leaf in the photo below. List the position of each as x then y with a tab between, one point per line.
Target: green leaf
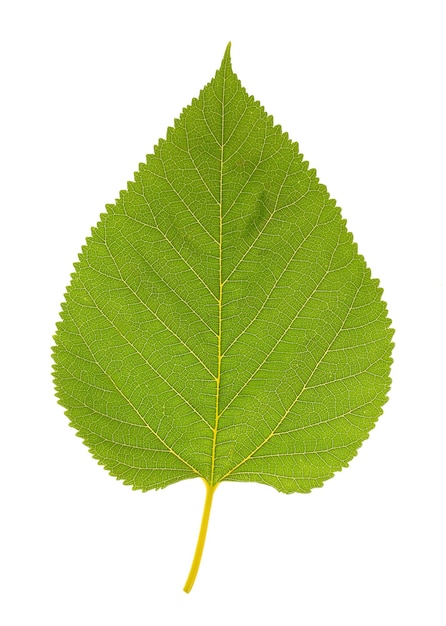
220	322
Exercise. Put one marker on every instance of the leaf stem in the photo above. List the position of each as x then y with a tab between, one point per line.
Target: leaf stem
201	538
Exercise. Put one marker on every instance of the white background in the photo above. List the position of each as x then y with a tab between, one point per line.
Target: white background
87	89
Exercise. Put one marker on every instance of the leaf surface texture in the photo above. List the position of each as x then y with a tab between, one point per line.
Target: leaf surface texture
220	322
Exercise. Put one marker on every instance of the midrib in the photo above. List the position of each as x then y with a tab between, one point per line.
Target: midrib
220	297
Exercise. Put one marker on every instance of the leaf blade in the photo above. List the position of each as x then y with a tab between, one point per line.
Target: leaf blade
224	301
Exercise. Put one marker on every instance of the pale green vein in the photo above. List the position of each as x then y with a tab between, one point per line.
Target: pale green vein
298	396
130	403
261	231
157	317
188	151
186	206
158	229
271	292
278	340
220	300
126	339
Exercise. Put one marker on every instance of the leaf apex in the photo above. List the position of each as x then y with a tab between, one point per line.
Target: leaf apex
226	63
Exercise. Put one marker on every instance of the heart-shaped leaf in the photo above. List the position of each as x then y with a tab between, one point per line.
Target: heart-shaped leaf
220	322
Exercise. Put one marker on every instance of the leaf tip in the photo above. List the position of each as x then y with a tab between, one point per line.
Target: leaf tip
226	57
